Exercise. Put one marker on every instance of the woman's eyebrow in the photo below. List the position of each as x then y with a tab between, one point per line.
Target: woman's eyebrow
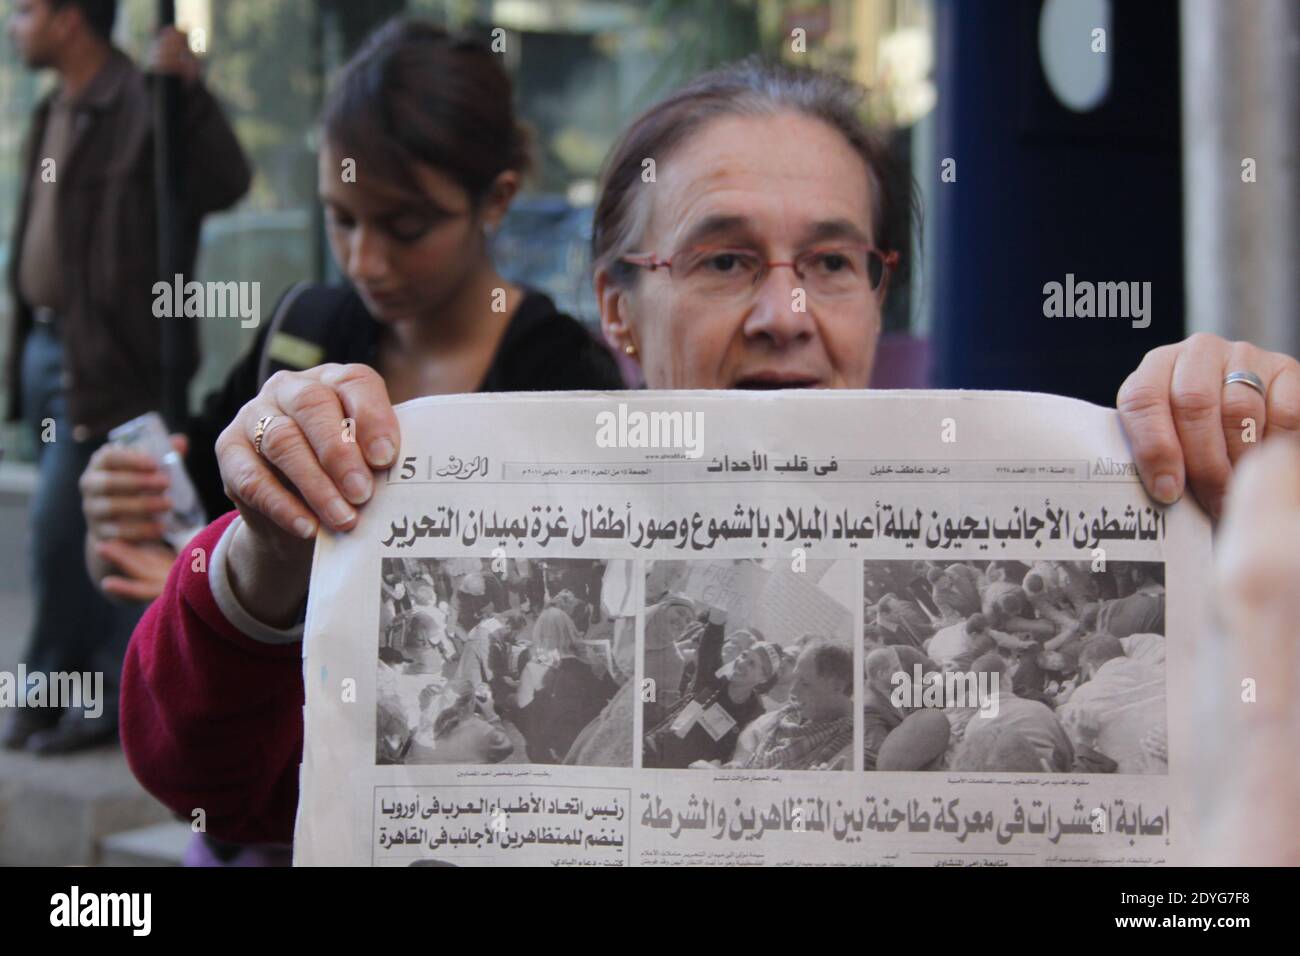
393	211
711	227
413	207
834	229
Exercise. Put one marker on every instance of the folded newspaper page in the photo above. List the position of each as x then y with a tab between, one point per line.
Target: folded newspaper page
702	628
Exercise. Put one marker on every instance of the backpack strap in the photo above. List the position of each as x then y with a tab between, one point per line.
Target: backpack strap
309	327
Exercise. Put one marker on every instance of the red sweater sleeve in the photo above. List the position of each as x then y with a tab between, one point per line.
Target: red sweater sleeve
211	719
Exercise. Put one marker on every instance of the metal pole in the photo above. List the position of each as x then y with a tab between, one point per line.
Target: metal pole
1241	100
176	335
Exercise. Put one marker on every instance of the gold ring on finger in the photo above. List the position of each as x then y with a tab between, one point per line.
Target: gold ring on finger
259	431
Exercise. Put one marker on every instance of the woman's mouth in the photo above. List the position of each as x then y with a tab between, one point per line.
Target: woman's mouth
384	299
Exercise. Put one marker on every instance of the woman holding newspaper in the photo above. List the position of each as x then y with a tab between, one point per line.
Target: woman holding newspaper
766	181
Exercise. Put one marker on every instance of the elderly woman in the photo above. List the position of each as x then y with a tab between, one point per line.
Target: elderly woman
766	180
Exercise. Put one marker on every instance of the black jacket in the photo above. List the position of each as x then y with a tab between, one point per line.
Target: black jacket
543	350
107	224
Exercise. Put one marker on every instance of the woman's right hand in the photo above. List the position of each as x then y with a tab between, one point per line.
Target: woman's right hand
124	499
330	428
124	494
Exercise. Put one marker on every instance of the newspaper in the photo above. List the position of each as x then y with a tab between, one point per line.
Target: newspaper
684	628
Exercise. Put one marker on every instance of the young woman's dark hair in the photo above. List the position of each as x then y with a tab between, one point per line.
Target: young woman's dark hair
414	94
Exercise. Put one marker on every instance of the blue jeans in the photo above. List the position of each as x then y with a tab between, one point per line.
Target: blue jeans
75	628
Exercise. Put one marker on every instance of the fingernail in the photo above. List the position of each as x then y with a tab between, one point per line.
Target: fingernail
340	511
381	452
304	528
1166	489
356	485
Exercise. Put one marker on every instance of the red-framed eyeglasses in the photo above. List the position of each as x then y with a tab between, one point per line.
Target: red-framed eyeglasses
835	270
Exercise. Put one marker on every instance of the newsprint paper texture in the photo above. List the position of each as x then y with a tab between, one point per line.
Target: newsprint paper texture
662	628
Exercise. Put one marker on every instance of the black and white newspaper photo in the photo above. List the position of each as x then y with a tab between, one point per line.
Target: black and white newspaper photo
749	665
1063	664
703	629
484	666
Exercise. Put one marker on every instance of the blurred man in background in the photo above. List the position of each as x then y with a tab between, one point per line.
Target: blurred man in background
85	354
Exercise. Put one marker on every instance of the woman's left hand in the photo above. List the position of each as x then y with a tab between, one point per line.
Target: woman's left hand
140	568
1188	428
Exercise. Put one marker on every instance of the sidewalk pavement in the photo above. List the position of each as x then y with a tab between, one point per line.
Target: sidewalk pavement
54	811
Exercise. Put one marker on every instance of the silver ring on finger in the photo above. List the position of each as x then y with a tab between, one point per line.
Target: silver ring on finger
259	431
1246	378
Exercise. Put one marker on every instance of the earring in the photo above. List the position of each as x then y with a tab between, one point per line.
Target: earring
629	349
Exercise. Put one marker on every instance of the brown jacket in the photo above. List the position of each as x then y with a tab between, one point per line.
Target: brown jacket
107	224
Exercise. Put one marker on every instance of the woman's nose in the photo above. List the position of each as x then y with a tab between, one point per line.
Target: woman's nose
367	258
780	309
